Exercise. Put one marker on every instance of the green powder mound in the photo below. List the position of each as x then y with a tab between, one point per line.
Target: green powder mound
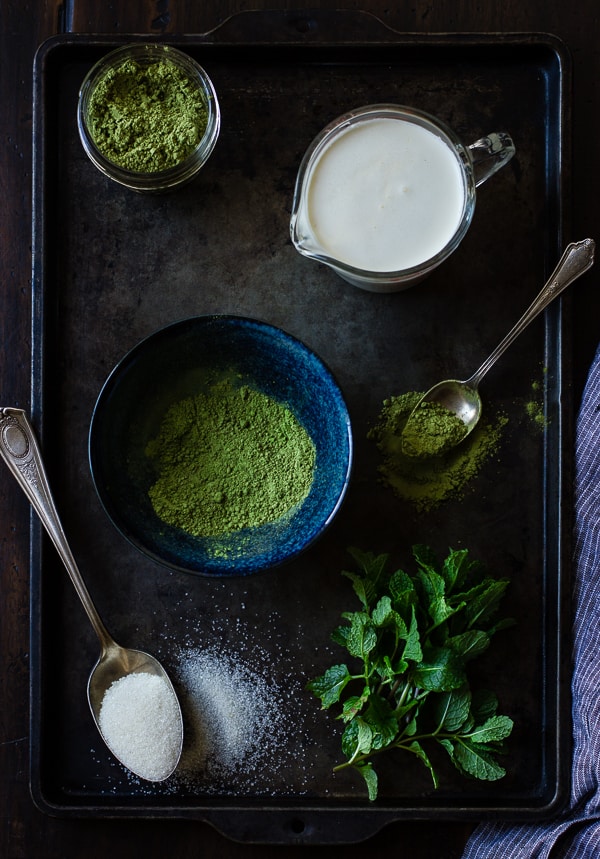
147	118
227	459
426	483
431	430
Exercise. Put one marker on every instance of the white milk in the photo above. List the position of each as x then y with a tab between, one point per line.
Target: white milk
385	195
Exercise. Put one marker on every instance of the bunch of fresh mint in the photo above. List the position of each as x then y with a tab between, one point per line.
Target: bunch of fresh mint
412	640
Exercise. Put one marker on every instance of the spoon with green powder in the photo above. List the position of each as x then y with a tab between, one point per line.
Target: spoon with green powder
146	733
449	411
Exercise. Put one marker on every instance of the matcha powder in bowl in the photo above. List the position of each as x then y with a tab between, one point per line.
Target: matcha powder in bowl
227	459
221	445
148	117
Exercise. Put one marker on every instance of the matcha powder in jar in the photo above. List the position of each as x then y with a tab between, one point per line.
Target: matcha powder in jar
227	459
148	117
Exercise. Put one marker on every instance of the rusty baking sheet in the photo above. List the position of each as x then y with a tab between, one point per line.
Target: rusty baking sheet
111	266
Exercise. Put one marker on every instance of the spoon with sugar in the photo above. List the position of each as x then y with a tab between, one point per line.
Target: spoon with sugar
131	697
450	410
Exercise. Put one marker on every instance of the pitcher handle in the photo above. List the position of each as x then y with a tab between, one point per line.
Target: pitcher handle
489	154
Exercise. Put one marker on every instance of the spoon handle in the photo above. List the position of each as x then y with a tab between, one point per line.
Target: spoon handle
20	451
577	258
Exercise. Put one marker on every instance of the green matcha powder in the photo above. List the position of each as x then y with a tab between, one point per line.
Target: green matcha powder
431	430
425	482
147	118
227	459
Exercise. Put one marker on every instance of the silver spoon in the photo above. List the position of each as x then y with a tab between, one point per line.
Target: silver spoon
21	453
462	399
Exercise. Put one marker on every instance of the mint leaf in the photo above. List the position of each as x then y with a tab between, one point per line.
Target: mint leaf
483	605
362	637
370	776
448	745
425	557
417	749
435	589
452	709
469	644
385	670
353	705
382	720
330	685
400	626
433	585
493	730
388	672
363	589
477	761
373	566
340	635
440	611
440	670
413	649
456	569
350	739
403	593
382	613
364	737
411	728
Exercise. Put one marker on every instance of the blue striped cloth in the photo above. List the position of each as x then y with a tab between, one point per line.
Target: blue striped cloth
575	834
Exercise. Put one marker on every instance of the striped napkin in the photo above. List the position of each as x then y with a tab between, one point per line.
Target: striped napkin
575	834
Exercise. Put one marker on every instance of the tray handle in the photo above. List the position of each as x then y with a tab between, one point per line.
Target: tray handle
297	826
317	25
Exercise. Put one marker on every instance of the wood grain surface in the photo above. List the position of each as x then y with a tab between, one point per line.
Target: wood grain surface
27	833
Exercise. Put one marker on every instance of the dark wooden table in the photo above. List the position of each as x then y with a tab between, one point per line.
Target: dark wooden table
26	833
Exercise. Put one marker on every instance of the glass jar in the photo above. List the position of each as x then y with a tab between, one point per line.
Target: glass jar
185	170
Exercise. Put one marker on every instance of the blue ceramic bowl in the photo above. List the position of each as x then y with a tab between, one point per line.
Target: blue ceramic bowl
170	365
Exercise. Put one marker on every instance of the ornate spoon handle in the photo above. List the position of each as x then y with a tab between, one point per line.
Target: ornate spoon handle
20	451
577	258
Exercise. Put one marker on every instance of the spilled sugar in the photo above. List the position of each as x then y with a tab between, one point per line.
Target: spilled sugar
235	722
249	723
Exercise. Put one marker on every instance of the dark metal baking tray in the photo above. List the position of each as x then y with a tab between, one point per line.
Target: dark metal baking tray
111	266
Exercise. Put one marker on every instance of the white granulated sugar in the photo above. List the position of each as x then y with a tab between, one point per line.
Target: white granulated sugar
239	724
140	722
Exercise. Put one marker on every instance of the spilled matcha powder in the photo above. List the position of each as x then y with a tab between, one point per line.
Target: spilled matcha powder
534	407
147	117
426	482
227	459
